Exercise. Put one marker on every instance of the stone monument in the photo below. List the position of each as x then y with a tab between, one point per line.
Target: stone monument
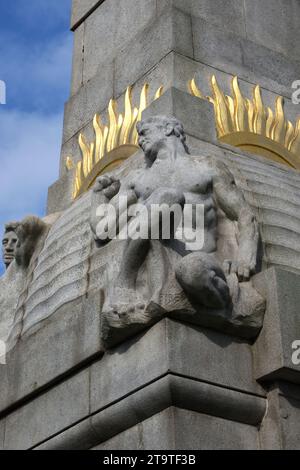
150	343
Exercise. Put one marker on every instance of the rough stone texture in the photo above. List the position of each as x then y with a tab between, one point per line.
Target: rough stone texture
113	24
60	194
59	408
171	32
243	58
88	101
81	9
150	34
52	349
228	15
279	29
185	68
78	60
126	382
273	349
129	365
197	115
179	429
153	398
280	427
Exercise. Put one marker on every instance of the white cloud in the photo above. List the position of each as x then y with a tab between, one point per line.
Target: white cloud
36	74
31	146
36	68
29	161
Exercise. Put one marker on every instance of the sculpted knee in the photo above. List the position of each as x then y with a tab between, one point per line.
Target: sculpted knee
201	277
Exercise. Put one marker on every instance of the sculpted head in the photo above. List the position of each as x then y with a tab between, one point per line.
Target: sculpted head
157	132
9	243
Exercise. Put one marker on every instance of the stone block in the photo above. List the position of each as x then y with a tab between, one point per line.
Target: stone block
171	32
154	397
228	15
60	193
111	27
274	24
199	431
156	433
78	60
290	418
81	9
280	429
129	366
244	58
179	429
59	345
56	409
171	347
184	69
273	349
90	99
197	115
71	149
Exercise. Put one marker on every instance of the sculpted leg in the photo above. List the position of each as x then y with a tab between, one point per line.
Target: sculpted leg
136	251
203	279
134	255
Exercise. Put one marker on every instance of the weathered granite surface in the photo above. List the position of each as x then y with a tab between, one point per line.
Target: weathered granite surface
165	366
157	389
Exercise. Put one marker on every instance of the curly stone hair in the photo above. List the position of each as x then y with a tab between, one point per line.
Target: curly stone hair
163	121
11	227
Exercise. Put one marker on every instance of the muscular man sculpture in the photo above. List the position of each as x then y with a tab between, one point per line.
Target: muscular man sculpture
172	176
9	243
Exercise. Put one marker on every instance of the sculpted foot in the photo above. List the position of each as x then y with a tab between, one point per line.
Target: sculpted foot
128	303
203	279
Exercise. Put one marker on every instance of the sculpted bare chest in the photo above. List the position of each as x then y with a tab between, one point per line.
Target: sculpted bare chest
189	178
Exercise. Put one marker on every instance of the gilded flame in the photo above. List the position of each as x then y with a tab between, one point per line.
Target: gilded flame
248	124
120	131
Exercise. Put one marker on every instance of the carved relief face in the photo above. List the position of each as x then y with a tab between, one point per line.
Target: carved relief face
151	137
9	244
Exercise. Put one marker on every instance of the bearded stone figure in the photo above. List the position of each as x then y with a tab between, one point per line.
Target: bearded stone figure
211	285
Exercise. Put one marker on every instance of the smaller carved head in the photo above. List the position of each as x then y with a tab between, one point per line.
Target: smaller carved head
9	243
155	131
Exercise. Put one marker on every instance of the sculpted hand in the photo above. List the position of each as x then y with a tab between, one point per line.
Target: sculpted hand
107	185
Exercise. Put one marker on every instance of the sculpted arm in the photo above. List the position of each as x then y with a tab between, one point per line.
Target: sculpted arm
108	190
231	200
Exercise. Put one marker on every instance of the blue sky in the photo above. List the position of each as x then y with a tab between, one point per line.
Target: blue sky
35	64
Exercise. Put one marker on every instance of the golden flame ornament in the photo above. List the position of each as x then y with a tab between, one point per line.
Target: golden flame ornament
249	125
113	143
